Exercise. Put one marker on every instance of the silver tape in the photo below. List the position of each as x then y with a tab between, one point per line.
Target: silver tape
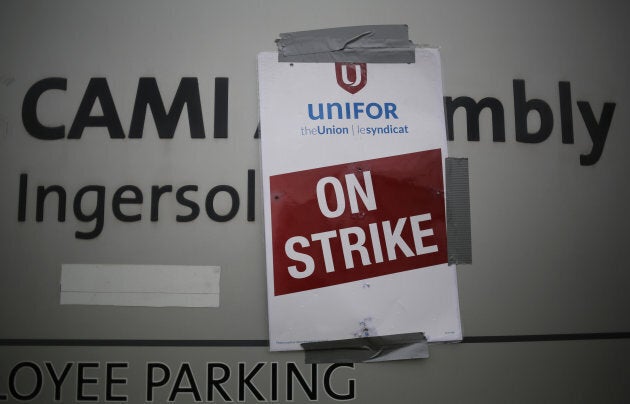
368	349
458	226
360	44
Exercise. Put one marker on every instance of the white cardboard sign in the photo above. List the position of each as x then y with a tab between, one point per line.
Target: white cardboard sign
355	225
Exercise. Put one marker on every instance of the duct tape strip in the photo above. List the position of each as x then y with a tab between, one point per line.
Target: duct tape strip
368	349
360	44
458	211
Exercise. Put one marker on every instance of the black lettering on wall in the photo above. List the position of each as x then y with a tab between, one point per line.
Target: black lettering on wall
58	379
98	213
251	195
185	383
120	199
598	131
42	193
217	382
182	200
473	110
235	202
82	380
350	395
22	197
294	371
274	381
30	120
245	381
25	396
221	85
148	95
566	112
156	193
97	89
110	381
522	108
152	383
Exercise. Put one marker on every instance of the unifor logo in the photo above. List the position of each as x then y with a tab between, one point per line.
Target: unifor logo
352	77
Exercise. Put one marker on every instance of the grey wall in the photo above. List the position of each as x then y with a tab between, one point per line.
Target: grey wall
549	235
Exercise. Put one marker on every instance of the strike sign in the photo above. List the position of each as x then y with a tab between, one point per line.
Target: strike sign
367	219
355	221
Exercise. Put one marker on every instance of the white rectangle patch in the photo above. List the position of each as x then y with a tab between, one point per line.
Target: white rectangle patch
140	285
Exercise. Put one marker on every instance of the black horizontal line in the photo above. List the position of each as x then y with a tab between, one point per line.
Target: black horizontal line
546	337
265	343
138	292
137	342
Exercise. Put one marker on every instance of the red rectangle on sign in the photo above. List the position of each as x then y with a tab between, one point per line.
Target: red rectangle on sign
360	220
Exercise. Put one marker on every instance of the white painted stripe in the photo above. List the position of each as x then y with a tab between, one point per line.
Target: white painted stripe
140	285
